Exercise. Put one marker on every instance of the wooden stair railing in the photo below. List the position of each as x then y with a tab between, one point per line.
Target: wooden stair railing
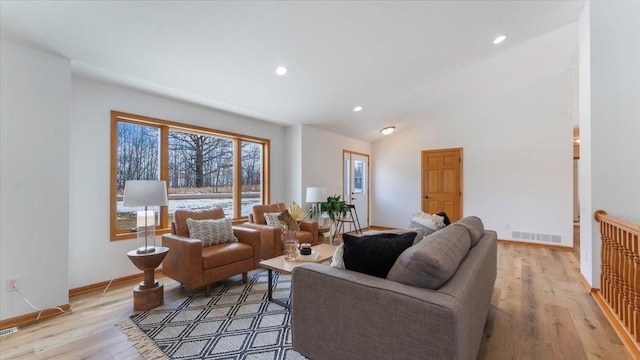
620	271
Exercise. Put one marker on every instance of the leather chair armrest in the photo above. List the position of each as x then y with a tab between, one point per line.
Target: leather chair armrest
271	243
312	227
251	237
184	260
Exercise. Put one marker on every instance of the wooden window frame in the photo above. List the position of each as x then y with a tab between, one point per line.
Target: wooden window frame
164	127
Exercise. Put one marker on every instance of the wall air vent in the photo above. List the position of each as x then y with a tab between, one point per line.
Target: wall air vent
8	331
533	236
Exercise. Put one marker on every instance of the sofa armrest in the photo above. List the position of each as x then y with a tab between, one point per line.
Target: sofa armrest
250	237
312	227
361	316
183	263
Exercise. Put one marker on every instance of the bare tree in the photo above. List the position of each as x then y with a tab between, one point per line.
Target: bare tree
138	153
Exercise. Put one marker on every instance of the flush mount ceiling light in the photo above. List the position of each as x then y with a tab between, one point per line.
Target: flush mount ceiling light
499	39
388	130
357	108
281	70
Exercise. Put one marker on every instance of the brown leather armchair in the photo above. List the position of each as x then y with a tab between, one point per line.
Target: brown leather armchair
271	236
195	266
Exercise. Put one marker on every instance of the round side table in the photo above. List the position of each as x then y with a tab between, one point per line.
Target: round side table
150	292
321	231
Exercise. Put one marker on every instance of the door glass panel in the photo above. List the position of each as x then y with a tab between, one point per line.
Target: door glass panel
358	177
347	180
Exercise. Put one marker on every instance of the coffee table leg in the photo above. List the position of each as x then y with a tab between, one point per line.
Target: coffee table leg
270	286
270	291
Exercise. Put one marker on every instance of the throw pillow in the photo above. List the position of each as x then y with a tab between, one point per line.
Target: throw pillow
211	232
445	217
272	219
374	254
418	230
287	220
296	211
427	222
337	261
432	221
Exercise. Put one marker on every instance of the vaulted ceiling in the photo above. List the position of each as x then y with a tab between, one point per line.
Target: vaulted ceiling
400	60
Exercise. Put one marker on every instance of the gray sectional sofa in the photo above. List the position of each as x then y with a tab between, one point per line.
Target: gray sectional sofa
432	305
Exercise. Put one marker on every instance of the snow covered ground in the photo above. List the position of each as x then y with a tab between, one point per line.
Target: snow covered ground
197	204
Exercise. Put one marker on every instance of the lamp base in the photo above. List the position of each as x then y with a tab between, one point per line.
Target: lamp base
146	249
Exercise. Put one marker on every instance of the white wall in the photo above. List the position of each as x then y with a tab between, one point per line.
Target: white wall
34	187
613	116
590	254
293	172
92	256
322	159
517	163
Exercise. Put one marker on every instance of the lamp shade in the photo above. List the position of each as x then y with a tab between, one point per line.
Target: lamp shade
316	194
145	193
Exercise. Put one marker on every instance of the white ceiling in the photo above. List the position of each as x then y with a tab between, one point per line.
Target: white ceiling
400	60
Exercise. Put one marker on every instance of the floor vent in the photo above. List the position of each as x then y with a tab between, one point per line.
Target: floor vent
523	235
8	331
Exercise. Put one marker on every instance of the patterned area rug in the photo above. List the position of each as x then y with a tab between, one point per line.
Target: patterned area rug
236	322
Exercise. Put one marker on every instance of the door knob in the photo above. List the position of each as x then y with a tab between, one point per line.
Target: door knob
426	196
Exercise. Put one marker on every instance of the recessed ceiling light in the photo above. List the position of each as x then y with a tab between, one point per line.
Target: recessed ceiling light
357	108
388	130
281	70
499	39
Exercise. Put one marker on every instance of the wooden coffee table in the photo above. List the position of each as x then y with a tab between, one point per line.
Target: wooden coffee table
279	264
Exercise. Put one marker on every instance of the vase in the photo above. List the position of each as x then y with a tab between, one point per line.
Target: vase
290	245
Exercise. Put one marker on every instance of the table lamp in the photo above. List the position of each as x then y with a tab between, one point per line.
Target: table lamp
145	193
316	195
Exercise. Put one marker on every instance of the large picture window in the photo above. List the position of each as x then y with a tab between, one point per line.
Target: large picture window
202	167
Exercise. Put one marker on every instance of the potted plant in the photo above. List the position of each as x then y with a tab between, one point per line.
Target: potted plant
334	207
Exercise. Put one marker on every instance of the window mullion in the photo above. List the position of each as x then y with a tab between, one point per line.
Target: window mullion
164	172
237	179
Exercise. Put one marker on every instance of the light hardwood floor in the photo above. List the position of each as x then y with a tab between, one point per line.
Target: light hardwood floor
539	310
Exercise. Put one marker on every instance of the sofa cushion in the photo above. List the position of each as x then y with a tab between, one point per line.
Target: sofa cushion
432	261
211	232
225	254
474	225
374	254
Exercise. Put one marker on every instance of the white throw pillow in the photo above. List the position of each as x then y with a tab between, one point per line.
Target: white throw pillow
434	222
211	232
337	261
272	219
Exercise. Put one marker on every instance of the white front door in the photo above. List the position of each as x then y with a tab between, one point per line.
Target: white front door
356	185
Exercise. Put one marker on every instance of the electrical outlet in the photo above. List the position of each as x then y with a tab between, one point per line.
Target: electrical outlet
13	284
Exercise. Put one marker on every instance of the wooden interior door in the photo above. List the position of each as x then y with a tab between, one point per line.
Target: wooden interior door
442	182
